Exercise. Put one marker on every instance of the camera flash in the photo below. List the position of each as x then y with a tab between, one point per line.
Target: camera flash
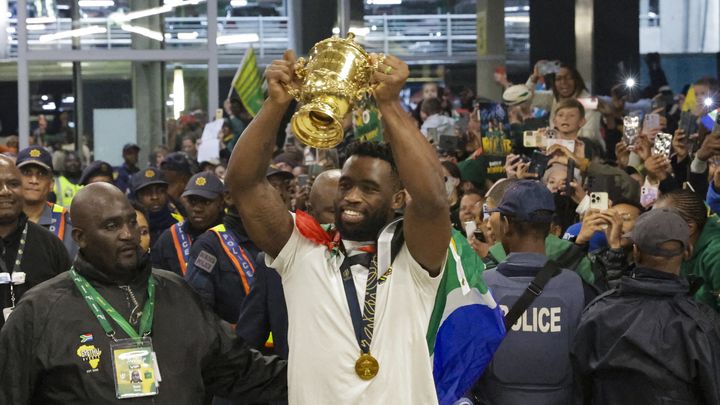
630	82
708	102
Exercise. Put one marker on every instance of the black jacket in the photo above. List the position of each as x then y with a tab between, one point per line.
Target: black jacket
648	342
40	361
45	257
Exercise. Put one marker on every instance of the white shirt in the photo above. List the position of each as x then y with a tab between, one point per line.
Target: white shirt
323	347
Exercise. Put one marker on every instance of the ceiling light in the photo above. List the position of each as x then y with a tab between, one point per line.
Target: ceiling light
158	36
237	38
93	29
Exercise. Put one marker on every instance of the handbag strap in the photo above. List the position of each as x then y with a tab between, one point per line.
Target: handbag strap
533	290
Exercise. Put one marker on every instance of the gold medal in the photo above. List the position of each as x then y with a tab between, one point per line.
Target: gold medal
366	366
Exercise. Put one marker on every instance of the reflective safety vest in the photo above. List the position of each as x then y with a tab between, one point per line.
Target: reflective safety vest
65	190
237	255
182	243
58	220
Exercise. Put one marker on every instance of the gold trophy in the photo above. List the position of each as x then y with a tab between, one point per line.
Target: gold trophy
335	76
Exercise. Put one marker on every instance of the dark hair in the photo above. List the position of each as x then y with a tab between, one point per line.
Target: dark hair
497	191
627	201
577	78
571	103
564	215
711	82
525	228
452	168
431	106
375	150
689	205
138	207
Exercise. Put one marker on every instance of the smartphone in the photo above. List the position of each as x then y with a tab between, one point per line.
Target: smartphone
652	121
538	163
432	136
470	227
532	139
449	143
631	129
589	103
599	201
479	235
302	180
570	177
662	144
569	144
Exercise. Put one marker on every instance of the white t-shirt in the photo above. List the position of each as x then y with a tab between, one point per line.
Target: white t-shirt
323	347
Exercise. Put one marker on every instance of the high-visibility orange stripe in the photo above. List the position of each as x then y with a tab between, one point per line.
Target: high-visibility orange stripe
238	267
178	251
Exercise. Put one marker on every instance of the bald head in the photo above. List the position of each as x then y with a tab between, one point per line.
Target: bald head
105	229
322	196
8	163
10	192
87	201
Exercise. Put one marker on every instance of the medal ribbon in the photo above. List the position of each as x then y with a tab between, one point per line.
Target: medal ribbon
98	304
363	323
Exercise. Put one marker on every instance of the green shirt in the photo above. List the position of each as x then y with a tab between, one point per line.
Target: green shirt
705	263
554	248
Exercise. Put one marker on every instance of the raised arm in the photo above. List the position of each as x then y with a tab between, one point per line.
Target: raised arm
427	217
263	212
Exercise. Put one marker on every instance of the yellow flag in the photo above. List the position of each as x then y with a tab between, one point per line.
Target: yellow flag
247	83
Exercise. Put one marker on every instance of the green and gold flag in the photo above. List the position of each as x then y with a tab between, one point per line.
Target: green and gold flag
247	83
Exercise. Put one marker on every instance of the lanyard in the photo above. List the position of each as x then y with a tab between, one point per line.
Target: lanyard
16	267
363	322
98	304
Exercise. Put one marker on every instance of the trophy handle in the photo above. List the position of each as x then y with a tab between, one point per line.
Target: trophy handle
369	90
300	73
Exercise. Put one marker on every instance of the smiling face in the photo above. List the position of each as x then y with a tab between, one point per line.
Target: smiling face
37	183
555	178
368	194
565	83
568	122
11	198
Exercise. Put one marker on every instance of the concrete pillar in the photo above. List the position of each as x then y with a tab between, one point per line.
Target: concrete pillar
490	47
148	84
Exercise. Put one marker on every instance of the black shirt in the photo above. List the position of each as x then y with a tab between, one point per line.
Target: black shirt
44	257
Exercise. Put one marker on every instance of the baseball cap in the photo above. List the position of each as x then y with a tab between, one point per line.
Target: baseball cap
96	168
177	161
516	94
34	155
656	227
273	170
205	184
147	177
529	201
129	146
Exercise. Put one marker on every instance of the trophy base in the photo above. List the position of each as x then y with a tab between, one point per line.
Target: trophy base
315	125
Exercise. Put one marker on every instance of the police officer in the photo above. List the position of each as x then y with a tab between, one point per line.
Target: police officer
35	164
57	348
68	183
150	190
204	203
97	171
30	254
223	261
177	167
652	319
533	361
129	167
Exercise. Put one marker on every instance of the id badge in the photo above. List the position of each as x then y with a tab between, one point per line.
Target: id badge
135	369
18	277
5	278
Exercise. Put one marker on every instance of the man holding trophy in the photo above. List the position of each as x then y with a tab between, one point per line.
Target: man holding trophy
358	313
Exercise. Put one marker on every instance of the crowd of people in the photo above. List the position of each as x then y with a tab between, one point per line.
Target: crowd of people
280	273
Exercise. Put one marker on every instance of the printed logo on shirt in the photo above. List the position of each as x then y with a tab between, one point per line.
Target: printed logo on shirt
542	320
85	338
205	261
91	355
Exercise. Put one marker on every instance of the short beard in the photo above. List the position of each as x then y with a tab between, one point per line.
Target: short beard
367	230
